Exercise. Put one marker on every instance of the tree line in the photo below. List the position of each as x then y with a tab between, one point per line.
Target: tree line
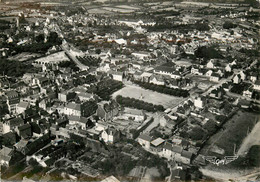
138	104
163	89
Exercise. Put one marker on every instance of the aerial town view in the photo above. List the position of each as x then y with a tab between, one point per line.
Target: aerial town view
129	90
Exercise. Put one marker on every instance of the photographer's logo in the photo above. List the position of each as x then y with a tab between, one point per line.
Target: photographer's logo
217	161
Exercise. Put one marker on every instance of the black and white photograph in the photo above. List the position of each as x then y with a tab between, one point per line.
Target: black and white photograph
130	90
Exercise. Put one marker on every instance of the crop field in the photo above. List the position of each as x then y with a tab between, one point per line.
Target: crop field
156	98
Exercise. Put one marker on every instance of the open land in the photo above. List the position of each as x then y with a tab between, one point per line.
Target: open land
156	98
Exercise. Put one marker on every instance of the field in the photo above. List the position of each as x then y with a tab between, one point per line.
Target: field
24	56
128	7
119	10
235	131
156	98
53	58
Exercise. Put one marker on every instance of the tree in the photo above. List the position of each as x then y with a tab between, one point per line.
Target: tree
210	126
229	24
197	133
54	38
98	51
39	38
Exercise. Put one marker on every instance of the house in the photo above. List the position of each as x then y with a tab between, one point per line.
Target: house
179	174
41	81
237	79
242	75
169	70
9	157
248	93
134	114
214	77
256	85
22	106
145	76
9	139
227	86
144	140
66	96
84	96
228	68
209	73
254	77
195	70
42	104
83	122
157	79
185	157
6	155
24	131
156	145
171	151
117	75
12	124
21	144
217	93
168	121
210	64
107	110
72	109
110	135
199	102
12	101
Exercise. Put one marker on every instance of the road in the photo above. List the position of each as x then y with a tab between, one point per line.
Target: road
72	56
68	49
228	175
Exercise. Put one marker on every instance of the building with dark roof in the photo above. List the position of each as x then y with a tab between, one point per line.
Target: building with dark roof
12	124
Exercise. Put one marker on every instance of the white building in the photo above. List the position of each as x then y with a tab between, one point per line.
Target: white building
144	140
200	102
72	109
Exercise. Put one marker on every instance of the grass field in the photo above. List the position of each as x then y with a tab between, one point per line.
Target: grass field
156	98
236	129
54	58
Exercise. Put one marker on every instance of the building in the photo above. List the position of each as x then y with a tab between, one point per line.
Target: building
24	131
256	85
66	96
117	75
236	79
144	140
110	135
21	107
13	100
107	110
72	109
214	77
210	64
228	68
12	124
199	102
134	114
157	79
